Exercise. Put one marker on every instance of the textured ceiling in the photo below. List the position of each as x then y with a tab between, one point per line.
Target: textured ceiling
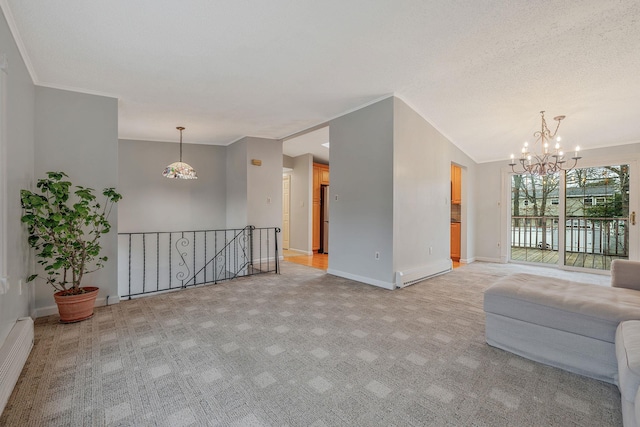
479	71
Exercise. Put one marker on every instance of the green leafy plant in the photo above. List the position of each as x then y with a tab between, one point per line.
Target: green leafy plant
65	229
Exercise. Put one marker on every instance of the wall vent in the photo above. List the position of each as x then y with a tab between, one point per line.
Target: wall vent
415	275
13	355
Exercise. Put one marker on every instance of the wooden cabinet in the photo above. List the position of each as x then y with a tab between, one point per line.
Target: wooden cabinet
456	185
455	241
324	175
320	177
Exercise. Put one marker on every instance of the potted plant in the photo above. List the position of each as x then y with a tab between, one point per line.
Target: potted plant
65	229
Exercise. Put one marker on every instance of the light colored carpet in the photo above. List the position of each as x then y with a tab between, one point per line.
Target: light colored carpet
300	349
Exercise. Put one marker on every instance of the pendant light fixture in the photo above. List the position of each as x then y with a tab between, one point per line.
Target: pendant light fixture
179	170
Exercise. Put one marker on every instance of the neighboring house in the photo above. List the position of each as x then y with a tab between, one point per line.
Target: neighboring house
579	200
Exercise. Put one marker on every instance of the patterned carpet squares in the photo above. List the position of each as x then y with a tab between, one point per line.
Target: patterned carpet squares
302	348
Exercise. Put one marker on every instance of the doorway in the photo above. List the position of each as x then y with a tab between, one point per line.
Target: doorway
456	215
324	220
286	211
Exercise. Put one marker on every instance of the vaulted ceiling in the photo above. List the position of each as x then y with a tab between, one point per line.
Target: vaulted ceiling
479	71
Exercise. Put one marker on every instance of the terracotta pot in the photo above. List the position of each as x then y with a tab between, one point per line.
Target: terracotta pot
75	308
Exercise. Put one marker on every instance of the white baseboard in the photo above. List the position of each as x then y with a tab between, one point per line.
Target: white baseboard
53	309
486	259
258	261
300	251
467	261
366	280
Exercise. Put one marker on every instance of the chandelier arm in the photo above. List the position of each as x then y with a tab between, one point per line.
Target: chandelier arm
550	160
557	127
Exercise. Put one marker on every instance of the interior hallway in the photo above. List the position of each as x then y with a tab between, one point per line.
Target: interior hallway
320	261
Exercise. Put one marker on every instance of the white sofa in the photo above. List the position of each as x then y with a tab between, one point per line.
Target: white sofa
573	326
628	352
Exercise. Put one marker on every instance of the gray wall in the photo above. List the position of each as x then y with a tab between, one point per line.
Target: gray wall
78	134
301	199
488	205
362	178
237	184
287	162
254	193
391	172
152	202
264	183
17	132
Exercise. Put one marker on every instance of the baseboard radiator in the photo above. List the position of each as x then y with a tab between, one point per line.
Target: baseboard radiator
415	275
13	355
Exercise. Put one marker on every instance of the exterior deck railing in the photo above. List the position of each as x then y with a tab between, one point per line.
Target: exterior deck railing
605	236
152	262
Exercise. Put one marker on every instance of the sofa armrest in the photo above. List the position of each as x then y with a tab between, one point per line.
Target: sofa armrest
625	274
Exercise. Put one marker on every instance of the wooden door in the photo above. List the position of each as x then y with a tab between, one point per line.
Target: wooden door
286	207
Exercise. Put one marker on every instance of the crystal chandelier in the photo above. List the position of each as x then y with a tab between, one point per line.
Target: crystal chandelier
179	170
549	160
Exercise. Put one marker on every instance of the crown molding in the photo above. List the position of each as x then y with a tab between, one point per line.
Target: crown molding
6	10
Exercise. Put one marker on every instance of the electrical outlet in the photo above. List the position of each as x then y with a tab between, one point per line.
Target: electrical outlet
268	200
377	255
430	250
336	197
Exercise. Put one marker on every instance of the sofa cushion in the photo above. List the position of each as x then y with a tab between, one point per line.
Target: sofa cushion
625	274
628	355
580	308
637	410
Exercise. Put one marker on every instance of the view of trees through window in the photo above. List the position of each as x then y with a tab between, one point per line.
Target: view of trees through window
596	210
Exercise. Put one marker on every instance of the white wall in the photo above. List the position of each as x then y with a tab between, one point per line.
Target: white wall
78	134
362	178
152	202
301	234
17	131
492	198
